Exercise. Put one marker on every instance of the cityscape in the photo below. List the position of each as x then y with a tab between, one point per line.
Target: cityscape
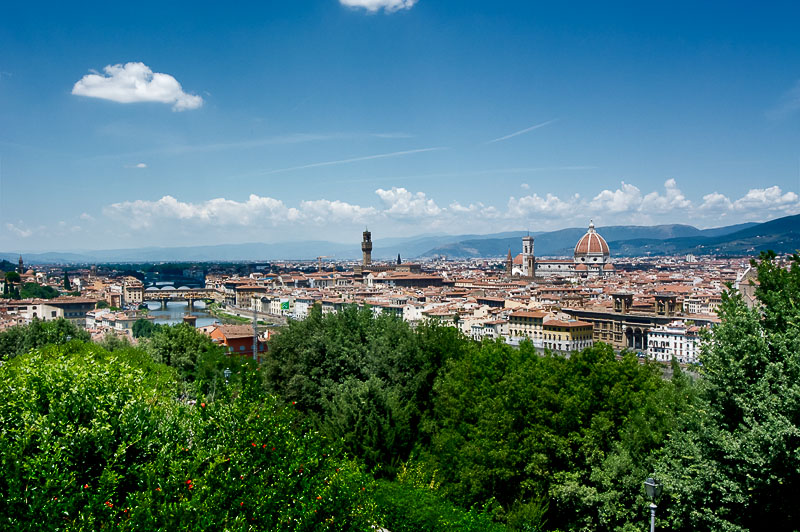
400	265
654	306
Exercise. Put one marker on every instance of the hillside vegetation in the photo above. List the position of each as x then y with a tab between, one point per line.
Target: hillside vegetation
356	421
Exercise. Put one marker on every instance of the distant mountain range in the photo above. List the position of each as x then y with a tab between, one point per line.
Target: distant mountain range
781	235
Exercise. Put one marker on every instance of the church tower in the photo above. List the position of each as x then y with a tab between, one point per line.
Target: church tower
528	260
509	264
366	248
21	269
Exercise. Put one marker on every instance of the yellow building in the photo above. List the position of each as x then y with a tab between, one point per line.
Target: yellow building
566	336
525	323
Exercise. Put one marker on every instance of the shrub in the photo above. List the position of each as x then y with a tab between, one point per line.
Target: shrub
97	440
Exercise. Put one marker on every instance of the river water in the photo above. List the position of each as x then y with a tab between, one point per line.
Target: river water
176	310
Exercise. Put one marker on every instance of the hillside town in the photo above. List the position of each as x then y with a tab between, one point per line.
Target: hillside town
656	307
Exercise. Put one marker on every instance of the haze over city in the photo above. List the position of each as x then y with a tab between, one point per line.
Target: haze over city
148	124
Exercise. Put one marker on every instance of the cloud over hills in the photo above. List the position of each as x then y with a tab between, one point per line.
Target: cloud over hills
400	207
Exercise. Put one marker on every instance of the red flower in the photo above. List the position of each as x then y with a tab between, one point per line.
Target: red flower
203	405
273	448
158	489
253	444
294	403
264	446
319	497
86	486
189	481
241	503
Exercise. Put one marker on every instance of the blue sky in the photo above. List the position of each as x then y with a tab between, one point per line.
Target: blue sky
169	123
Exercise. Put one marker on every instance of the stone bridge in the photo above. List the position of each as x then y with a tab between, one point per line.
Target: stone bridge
189	295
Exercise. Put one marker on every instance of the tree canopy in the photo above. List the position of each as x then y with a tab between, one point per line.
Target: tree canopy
37	291
461	435
733	464
97	440
20	339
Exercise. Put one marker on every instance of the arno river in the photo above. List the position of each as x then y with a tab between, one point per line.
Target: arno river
176	310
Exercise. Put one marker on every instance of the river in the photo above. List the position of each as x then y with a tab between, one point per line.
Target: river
176	310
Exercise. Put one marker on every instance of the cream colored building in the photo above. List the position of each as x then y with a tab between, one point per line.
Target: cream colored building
566	336
528	324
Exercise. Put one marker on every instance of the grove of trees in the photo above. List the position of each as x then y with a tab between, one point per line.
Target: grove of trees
357	421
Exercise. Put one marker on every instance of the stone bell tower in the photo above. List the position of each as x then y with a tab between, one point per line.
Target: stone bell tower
528	259
366	248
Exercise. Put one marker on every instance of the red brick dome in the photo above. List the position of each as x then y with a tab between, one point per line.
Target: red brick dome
591	244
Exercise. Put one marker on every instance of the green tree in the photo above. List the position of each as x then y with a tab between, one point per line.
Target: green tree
97	441
37	291
143	328
112	342
23	338
67	284
534	431
733	464
361	378
199	361
102	304
11	290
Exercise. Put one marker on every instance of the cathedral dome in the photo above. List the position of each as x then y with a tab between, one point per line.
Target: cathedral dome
591	245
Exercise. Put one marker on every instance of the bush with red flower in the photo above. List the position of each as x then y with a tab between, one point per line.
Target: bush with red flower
96	440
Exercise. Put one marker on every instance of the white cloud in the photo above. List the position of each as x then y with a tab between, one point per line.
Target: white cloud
756	204
141	165
771	198
141	214
374	6
534	204
19	230
525	186
672	199
135	82
399	210
474	209
86	216
324	210
626	198
715	202
402	203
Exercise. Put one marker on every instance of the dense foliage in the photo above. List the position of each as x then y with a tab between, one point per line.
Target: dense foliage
10	286
734	464
364	379
504	427
144	328
461	435
17	340
97	440
37	291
